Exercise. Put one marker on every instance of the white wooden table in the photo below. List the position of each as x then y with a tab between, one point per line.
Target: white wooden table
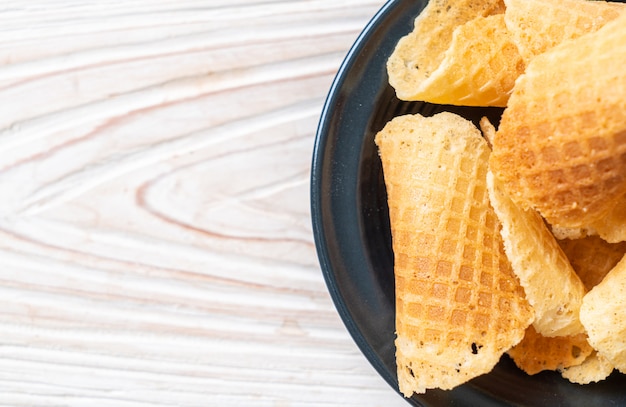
155	239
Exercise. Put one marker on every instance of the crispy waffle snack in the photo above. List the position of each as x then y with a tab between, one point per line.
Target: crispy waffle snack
459	306
594	369
558	169
592	257
605	320
561	143
612	226
536	352
551	284
538	25
460	52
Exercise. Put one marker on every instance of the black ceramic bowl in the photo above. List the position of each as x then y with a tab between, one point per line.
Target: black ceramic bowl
352	235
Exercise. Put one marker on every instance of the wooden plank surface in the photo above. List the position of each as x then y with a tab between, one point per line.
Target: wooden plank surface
155	240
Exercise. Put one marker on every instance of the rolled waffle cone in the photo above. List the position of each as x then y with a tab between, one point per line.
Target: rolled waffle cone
460	53
459	307
561	144
538	25
536	353
550	283
594	369
592	257
603	313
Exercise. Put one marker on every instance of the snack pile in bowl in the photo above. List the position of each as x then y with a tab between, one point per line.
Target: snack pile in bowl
509	240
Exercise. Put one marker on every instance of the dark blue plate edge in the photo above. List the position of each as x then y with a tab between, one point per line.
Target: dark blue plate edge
316	205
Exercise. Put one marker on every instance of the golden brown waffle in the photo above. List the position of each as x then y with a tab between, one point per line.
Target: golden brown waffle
536	352
551	284
592	257
460	52
538	25
603	313
611	227
459	307
561	142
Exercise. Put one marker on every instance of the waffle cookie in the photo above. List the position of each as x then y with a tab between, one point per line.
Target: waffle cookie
550	283
612	226
594	369
603	313
538	25
459	306
536	353
460	52
592	257
561	142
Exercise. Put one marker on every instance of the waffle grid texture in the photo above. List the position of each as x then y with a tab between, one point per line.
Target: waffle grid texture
459	306
561	143
538	25
592	257
459	53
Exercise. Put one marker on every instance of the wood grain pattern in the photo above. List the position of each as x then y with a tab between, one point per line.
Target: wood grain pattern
155	240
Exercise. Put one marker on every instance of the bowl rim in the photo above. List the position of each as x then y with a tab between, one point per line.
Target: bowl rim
321	139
